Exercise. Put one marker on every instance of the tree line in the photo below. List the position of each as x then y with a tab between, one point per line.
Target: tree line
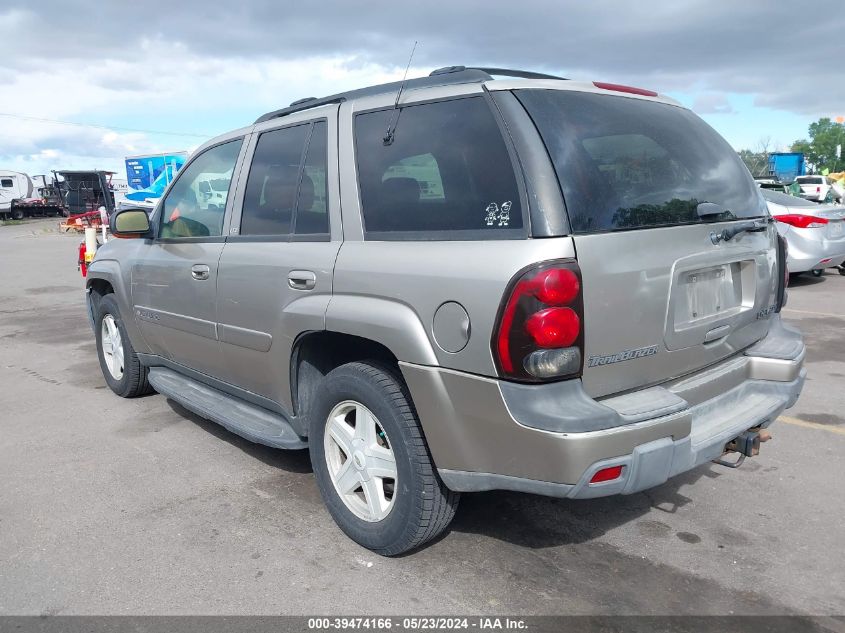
819	149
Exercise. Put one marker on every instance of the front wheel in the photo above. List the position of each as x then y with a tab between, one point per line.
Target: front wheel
119	363
17	214
372	463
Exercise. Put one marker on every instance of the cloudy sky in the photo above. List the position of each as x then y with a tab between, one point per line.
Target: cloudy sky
166	76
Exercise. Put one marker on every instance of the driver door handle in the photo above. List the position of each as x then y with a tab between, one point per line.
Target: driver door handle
200	272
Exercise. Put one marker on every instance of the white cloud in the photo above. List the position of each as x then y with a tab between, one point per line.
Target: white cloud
194	67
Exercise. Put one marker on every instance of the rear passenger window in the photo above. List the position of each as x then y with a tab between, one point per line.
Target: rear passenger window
312	208
271	189
283	195
446	175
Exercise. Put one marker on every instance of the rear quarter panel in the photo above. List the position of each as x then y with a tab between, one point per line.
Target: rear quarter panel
419	277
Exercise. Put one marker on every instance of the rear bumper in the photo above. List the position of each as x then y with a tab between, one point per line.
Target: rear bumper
486	434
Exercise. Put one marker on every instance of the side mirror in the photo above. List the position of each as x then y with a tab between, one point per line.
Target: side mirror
130	223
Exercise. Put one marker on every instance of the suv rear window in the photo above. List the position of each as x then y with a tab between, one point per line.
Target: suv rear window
446	175
809	180
628	163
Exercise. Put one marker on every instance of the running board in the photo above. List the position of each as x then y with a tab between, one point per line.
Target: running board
251	422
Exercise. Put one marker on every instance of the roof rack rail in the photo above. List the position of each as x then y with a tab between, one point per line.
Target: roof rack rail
502	72
522	74
301	101
439	77
468	75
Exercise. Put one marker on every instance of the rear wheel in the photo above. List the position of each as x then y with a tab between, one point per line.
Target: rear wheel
818	272
17	214
372	463
121	368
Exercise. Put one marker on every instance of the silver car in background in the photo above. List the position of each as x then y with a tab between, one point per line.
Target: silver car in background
814	232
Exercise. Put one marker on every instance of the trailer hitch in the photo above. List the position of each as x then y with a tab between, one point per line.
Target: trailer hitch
747	445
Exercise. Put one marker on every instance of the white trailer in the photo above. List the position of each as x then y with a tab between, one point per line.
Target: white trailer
13	185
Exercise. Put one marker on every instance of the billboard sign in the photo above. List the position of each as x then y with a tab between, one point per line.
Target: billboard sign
147	176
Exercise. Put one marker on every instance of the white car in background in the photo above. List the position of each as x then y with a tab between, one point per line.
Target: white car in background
817	188
815	233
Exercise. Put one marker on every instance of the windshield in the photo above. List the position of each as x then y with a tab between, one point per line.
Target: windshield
786	200
629	163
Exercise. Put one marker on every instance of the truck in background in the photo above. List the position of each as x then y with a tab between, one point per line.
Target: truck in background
787	166
148	175
67	193
13	185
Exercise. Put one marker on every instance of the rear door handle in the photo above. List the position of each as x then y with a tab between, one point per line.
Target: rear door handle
200	272
302	279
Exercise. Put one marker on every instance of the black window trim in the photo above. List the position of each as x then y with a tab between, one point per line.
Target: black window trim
547	210
206	239
450	236
291	236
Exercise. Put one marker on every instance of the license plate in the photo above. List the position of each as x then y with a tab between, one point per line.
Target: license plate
710	291
835	229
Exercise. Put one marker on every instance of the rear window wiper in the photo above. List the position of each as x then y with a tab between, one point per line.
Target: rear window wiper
732	231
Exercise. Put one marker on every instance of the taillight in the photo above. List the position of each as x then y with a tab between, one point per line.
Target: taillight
540	332
801	221
629	89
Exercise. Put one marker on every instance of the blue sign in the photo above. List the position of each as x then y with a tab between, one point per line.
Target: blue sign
148	176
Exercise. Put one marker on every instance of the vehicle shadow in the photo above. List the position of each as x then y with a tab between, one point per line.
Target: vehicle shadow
799	280
522	519
540	522
291	461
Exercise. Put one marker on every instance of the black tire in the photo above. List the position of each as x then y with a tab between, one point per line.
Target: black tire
17	214
423	505
841	270
818	272
134	381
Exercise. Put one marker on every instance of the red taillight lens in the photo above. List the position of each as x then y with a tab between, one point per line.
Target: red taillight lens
539	333
607	474
801	221
629	89
554	327
557	286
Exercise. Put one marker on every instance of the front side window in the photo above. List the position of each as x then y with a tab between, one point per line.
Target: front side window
7	183
196	204
447	173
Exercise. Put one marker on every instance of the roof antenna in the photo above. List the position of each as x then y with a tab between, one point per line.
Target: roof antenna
391	129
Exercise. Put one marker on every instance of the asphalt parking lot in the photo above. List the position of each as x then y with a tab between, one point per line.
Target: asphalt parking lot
111	506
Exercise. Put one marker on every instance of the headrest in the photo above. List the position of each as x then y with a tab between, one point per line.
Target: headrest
399	191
